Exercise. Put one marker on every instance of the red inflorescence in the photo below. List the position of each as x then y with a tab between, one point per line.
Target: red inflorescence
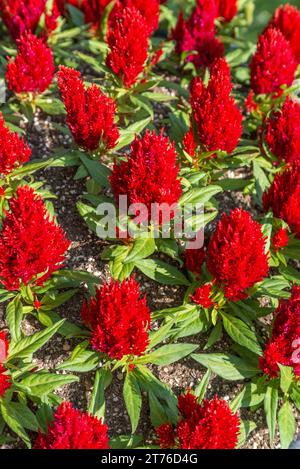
90	113
93	11
209	425
32	71
227	9
283	197
280	239
51	19
202	296
149	175
119	319
284	345
236	244
31	244
273	64
13	150
194	259
282	132
72	429
149	9
287	20
5	381
128	40
21	16
208	48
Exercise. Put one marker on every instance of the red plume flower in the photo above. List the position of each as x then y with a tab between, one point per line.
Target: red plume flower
93	11
202	296
51	19
209	425
203	17
20	16
273	64
128	41
5	381
31	244
283	197
236	244
282	132
227	9
287	20
280	239
194	259
13	150
73	429
119	319
90	113
149	9
149	175
208	48
32	71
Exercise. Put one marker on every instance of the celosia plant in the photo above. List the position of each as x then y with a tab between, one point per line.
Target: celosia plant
13	150
287	20
21	16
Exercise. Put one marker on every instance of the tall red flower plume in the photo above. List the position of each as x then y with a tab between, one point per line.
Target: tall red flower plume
5	381
214	111
73	429
31	244
236	244
283	347
209	425
149	9
149	175
20	16
282	132
93	11
283	197
273	64
203	17
194	259
287	20
119	319
227	9
13	150
128	41
90	113
209	48
32	71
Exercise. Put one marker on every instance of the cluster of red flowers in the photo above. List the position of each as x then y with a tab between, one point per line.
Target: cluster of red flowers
5	382
282	132
283	347
72	429
209	425
21	16
32	246
236	244
194	259
149	175
119	319
287	20
283	197
202	296
32	71
13	150
90	113
213	113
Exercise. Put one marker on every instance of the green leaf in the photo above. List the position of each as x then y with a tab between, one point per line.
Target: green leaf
51	106
68	329
200	195
51	300
241	333
128	135
125	442
102	381
227	366
246	427
18	417
261	181
286	424
168	354
156	337
250	396
214	336
286	377
14	314
96	170
43	383
270	405
133	399
83	362
161	272
200	389
141	248
296	396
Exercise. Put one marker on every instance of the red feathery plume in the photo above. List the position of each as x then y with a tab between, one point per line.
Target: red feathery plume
209	48
13	150
31	244
203	17
90	113
287	20
21	16
149	9
236	244
202	296
273	64
32	71
280	239
5	381
73	429
209	425
93	11
119	319
227	9
194	259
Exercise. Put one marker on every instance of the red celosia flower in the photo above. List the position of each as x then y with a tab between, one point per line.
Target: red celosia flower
119	319
128	41
208	48
202	296
203	17
236	244
273	64
13	150
32	70
149	9
280	239
93	11
183	37
189	143
51	19
250	103
5	381
31	244
72	429
194	259
214	111
20	16
90	113
287	20
282	132
149	175
227	9
283	197
209	425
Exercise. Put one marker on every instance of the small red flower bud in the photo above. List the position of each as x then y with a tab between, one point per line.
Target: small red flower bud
280	240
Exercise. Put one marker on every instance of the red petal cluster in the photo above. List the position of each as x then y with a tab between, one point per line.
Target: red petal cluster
5	382
282	132
287	20
149	175
236	244
128	40
202	296
13	150
20	16
209	425
227	9
284	345
283	197
93	11
214	111
149	9
273	64
194	259
90	113
280	239
119	319
32	71
51	19
72	429
31	243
